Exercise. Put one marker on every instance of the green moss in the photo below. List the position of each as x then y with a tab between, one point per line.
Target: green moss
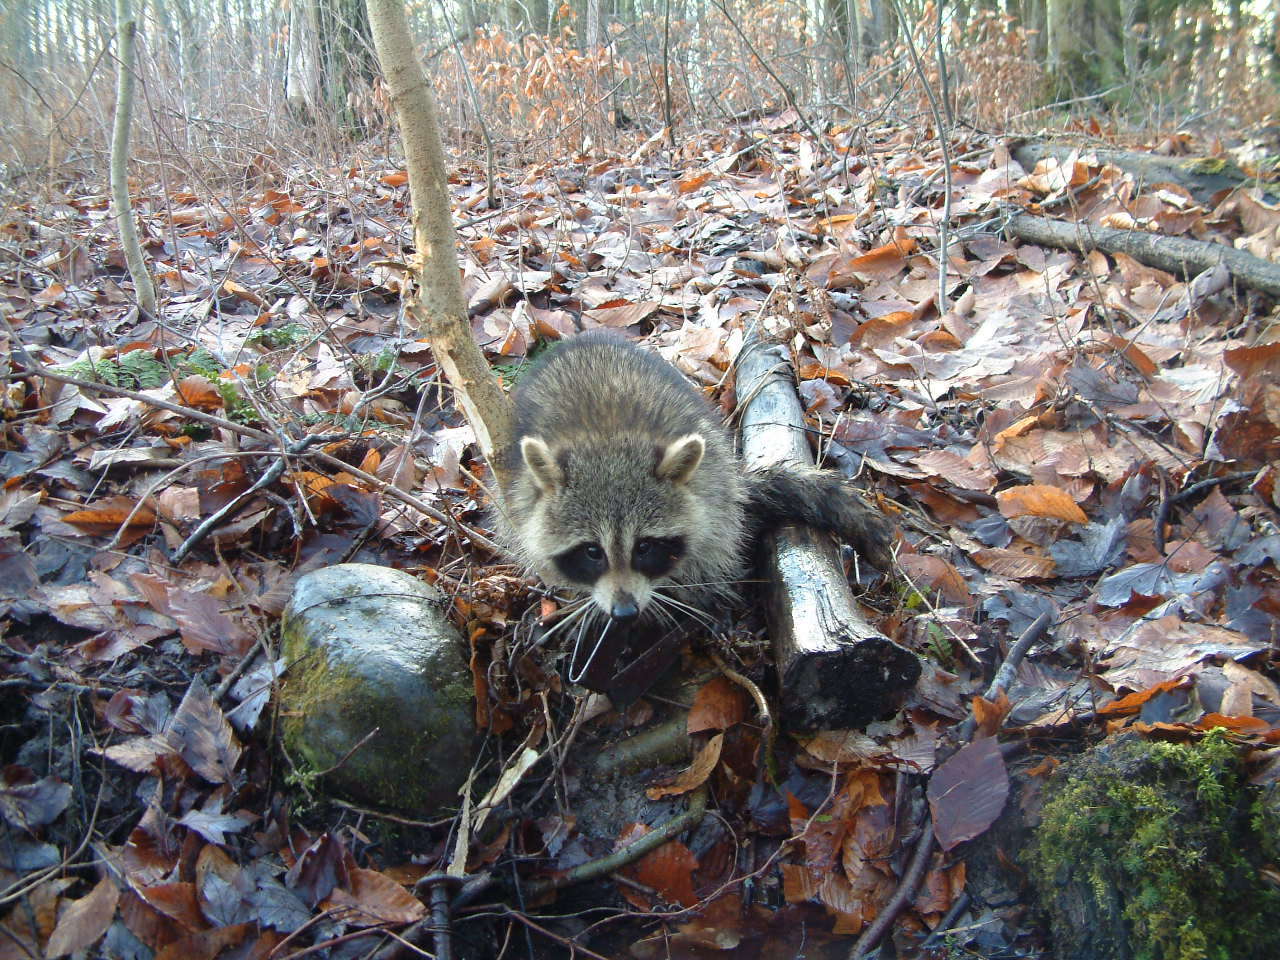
1265	820
277	338
1155	834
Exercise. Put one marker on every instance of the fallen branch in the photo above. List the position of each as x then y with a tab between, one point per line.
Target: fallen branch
1202	177
1177	255
835	670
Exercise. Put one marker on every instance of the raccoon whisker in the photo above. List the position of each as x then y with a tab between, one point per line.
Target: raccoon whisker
663	612
672	602
576	614
567	609
594	650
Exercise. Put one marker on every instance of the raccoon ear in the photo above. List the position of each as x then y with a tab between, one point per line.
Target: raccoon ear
538	458
681	458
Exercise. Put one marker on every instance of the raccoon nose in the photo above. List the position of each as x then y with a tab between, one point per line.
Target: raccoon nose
624	607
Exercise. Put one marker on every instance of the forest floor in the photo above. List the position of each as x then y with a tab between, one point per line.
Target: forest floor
1074	434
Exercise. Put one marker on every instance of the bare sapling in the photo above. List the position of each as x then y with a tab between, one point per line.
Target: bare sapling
437	304
126	31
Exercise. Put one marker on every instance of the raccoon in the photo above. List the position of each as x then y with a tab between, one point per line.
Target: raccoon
625	486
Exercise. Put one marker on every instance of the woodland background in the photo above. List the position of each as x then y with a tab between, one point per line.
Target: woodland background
232	83
1077	440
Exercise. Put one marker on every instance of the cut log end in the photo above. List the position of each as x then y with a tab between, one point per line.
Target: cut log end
862	680
835	670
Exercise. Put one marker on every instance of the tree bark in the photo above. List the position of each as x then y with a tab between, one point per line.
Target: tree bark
302	60
438	305
835	670
1178	255
126	30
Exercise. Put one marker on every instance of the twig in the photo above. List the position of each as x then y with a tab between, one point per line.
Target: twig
390	817
552	935
906	890
269	476
944	137
41	370
239	669
762	705
347	756
603	866
948	921
1162	513
334	942
1003	679
20	888
1188	492
819	142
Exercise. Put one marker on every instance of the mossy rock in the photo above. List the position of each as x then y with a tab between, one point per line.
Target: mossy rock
370	648
1145	852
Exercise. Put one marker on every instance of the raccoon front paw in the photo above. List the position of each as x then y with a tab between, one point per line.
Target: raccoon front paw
868	531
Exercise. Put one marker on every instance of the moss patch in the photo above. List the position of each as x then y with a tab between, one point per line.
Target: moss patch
1149	841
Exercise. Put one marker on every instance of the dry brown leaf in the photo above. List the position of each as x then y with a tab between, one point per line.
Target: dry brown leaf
85	920
695	775
841	746
1016	565
207	944
107	515
934	575
885	262
374	898
718	705
956	470
1039	500
668	870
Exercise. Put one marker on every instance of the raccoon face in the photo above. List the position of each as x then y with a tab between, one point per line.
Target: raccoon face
613	522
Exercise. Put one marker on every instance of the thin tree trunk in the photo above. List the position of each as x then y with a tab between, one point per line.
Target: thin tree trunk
438	305
126	30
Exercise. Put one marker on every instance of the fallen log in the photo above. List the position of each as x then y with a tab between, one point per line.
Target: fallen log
1178	255
835	670
1202	177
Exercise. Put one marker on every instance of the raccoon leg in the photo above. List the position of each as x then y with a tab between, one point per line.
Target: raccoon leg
789	493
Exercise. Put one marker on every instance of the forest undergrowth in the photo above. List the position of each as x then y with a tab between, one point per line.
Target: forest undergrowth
1076	439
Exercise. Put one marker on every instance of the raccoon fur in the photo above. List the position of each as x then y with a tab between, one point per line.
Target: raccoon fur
623	484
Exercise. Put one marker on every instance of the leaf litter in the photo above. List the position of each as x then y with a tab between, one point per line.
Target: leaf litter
1081	435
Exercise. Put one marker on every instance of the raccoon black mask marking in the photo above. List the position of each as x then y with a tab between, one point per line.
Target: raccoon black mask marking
625	486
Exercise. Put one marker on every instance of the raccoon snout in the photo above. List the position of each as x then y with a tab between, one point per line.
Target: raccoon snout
624	607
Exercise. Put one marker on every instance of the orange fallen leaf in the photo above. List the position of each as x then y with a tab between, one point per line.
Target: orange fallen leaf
718	705
108	515
197	392
886	262
1040	500
1015	565
695	775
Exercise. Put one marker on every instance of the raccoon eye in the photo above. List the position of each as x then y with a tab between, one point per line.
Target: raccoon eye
583	563
655	556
